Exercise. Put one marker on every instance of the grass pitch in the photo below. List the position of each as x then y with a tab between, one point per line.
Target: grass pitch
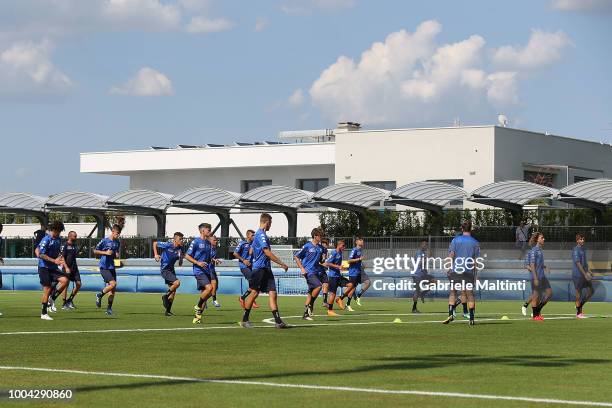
380	361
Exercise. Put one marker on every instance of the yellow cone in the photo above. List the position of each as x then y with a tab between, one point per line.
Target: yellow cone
505	318
397	320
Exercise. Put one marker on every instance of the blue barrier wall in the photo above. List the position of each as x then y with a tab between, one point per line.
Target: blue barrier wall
148	279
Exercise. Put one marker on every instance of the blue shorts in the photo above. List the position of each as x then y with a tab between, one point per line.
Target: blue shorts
169	276
364	277
581	283
355	280
323	277
74	275
213	276
47	275
543	284
334	283
108	275
422	278
262	280
246	272
202	280
313	282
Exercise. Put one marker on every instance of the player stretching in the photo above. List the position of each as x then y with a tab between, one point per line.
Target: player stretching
172	252
540	287
199	254
463	251
421	275
334	263
214	280
244	254
355	268
70	252
49	262
308	260
108	250
581	275
262	278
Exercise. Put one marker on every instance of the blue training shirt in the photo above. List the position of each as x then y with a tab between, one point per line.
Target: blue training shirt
242	249
310	255
579	255
336	259
260	242
213	255
108	261
420	257
536	257
320	268
355	267
200	250
466	249
52	248
170	255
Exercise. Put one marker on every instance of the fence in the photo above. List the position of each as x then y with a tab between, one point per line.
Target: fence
562	238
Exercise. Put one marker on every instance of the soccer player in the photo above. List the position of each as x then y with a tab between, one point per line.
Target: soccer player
108	251
262	278
39	234
581	275
334	263
49	262
244	254
1	259
308	260
463	251
540	287
421	275
214	261
355	262
199	254
71	268
323	277
365	285
171	252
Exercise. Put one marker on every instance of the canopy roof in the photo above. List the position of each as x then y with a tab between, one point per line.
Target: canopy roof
351	196
427	195
206	198
276	198
596	193
139	201
512	195
77	201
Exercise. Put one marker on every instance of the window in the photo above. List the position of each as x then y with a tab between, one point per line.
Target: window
539	177
248	185
581	178
312	185
454	182
385	185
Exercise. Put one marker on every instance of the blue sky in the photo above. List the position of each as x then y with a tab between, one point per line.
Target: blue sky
100	75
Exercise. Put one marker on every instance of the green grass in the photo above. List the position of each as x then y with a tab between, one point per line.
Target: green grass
561	359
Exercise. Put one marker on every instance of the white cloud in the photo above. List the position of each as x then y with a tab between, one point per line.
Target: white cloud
582	5
27	72
543	48
410	78
148	14
297	98
146	82
260	25
203	24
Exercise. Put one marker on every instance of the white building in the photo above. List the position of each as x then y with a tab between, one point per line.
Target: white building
467	156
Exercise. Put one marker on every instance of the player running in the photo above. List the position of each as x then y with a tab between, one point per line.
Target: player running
244	254
334	265
262	278
1	259
49	262
421	276
199	254
323	277
582	277
463	251
540	286
214	261
108	250
70	251
355	262
171	252
308	259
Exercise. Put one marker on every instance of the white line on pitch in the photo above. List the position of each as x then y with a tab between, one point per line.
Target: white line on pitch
314	387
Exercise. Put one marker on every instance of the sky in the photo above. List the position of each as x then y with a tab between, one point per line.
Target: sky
100	75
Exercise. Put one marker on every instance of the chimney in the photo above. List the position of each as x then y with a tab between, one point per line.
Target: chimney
348	126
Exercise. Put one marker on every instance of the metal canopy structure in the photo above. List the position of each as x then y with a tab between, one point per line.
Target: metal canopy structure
24	203
81	203
355	197
287	200
596	194
511	195
142	202
427	195
212	200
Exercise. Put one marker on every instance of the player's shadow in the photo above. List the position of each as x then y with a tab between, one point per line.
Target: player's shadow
92	388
